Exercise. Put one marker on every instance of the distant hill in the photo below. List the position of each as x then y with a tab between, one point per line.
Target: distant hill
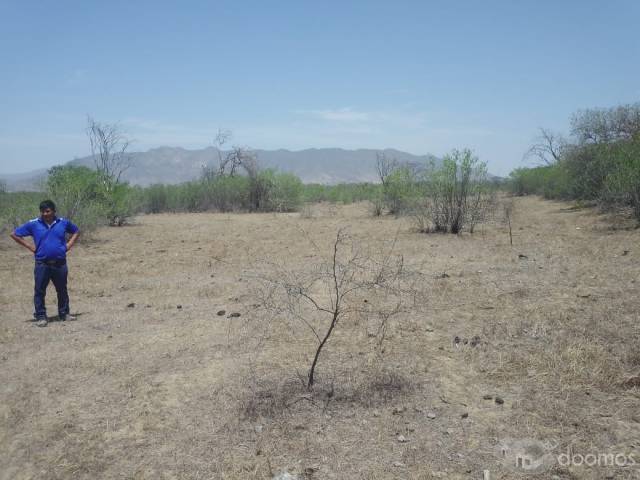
172	165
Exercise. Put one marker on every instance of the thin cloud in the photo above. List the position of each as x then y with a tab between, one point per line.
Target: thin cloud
371	121
346	114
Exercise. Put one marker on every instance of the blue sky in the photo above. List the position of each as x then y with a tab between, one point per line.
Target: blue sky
420	76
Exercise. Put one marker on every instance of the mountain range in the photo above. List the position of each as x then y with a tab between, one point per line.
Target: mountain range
171	165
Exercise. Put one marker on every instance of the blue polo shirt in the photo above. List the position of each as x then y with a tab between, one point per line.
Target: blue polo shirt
50	240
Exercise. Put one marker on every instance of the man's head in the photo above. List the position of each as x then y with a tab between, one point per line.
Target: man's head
47	210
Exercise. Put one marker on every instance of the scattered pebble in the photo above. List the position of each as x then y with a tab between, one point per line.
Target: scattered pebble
234	315
487	397
398	410
431	415
179	307
464	415
402	439
131	305
499	400
398	464
221	312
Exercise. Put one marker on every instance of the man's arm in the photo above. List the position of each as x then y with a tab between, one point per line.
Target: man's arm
72	240
21	241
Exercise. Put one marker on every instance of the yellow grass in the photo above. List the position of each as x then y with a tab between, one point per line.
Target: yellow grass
159	392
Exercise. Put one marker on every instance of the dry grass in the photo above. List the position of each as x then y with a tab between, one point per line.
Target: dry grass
159	392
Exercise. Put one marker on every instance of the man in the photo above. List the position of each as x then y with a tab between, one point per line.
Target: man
49	235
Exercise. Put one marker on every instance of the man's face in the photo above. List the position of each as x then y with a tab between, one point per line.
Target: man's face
48	215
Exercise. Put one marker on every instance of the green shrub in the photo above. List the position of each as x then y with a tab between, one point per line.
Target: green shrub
17	208
400	190
602	166
622	184
79	195
456	194
340	193
287	193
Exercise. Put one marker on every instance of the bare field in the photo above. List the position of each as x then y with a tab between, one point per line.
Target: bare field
151	383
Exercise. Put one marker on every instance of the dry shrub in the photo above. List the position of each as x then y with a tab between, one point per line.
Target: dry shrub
318	306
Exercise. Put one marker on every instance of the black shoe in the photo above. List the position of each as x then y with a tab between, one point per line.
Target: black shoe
68	316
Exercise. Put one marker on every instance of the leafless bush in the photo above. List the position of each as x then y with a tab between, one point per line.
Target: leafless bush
351	288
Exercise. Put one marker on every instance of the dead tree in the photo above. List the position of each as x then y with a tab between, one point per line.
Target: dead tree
350	283
547	147
241	160
385	166
109	151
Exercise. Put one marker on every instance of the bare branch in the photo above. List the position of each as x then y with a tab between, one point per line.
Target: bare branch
547	147
109	150
385	166
351	282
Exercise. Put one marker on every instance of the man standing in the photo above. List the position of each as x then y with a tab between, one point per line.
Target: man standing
49	235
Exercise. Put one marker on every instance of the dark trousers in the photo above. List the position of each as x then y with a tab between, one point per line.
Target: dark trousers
44	273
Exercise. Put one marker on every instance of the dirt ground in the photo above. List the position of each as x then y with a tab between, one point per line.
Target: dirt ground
151	383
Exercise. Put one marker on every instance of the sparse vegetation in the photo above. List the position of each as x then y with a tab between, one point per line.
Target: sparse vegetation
546	348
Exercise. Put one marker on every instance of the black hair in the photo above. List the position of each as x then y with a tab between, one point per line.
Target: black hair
47	204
